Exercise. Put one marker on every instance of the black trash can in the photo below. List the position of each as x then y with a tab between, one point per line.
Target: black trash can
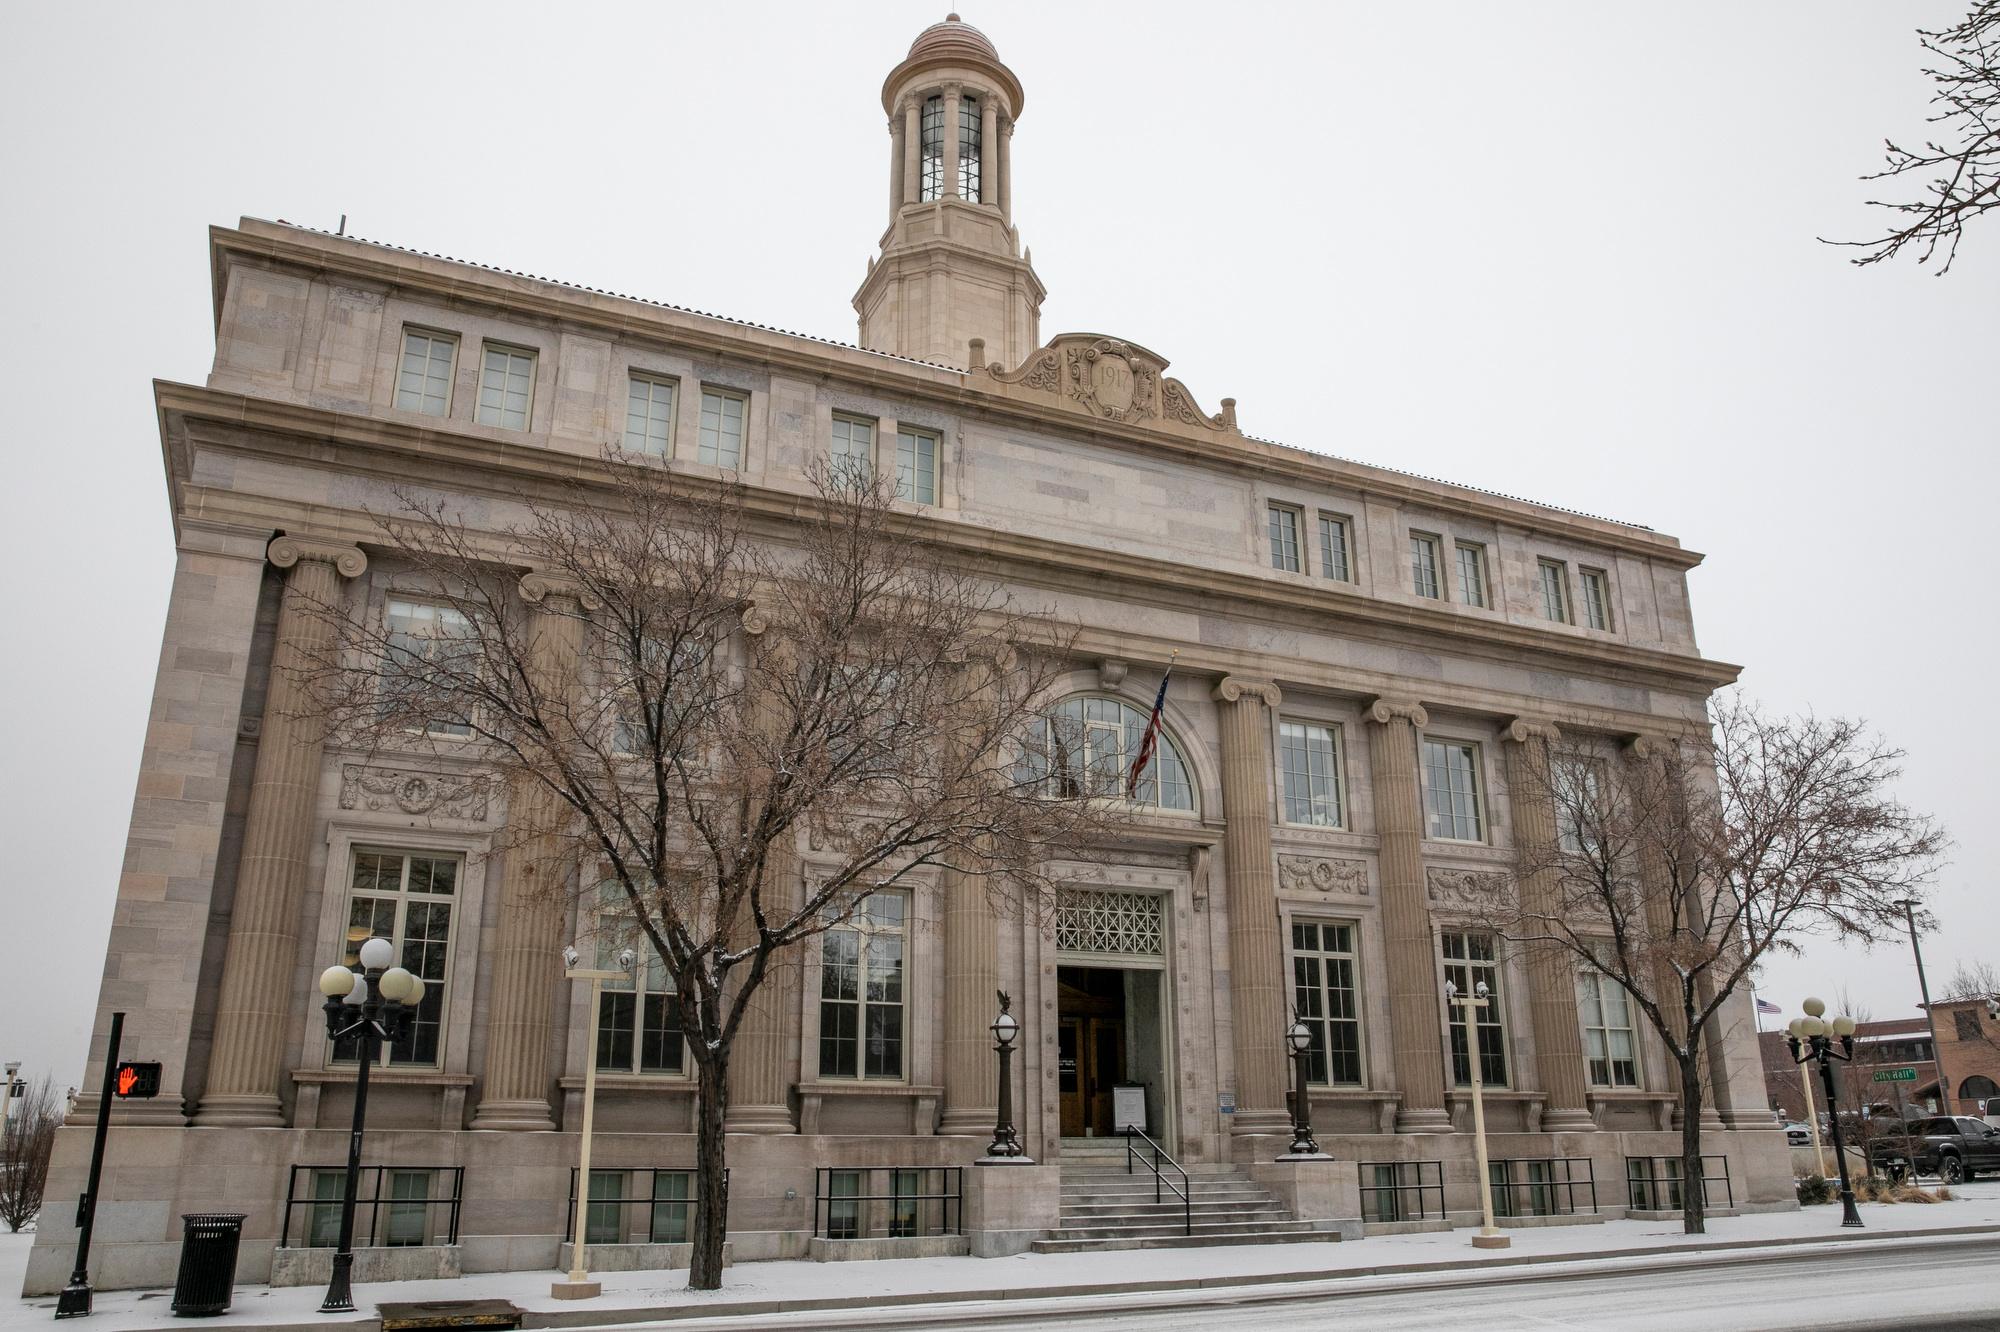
207	1280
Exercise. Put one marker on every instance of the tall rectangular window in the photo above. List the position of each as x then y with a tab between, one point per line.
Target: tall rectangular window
506	388
930	137
721	429
968	149
1309	761
423	380
639	1026
1610	1046
853	450
861	991
1555	590
1424	566
407	898
1470	959
673	1205
1451	791
1471	574
1596	591
424	662
1333	558
916	466
1285	538
649	416
1324	994
604	1218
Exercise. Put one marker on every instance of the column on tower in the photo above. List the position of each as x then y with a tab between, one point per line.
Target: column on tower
912	146
1005	155
1415	1017
953	94
989	184
257	966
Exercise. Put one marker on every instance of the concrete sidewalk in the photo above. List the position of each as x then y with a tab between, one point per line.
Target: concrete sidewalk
943	1289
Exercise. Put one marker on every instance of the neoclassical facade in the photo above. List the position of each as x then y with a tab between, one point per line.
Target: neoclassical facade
1366	659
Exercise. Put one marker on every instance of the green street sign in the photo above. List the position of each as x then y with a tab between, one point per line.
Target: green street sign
1895	1075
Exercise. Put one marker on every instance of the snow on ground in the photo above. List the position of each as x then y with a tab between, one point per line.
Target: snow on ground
754	1286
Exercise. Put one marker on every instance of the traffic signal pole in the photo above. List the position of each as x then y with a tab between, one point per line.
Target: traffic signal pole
75	1298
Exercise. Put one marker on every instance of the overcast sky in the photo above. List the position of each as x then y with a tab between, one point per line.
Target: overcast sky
1560	251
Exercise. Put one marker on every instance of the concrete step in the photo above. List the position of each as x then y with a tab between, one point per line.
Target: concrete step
1146	1206
1178	1241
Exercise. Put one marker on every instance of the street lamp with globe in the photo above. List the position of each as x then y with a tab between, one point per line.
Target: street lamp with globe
373	1007
1006	1145
1812	1038
1299	1038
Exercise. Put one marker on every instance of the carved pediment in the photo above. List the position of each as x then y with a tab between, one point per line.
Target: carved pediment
1112	380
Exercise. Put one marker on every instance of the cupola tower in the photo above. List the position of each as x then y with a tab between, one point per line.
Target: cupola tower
951	267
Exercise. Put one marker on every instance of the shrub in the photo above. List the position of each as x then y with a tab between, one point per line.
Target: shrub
1814	1190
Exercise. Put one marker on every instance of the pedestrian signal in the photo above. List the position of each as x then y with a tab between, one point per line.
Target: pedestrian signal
136	1081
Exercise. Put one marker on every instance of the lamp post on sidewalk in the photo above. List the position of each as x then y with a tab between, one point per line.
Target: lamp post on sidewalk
1489	1236
578	1285
1006	1145
1298	1039
1811	1038
374	1008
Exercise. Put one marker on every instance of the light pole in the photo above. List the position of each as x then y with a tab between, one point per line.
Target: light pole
1489	1236
579	1286
1812	1037
1006	1144
375	1007
1299	1038
1924	987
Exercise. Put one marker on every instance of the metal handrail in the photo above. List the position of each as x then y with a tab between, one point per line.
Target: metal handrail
1185	1190
1567	1186
948	1195
372	1202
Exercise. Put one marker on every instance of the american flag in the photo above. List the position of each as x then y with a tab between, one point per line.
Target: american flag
1766	1006
1151	739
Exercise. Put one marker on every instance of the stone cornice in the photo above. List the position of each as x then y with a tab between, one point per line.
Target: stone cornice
454	282
399	452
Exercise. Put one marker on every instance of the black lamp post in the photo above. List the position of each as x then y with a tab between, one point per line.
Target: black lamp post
1005	1031
1299	1038
1812	1038
374	1007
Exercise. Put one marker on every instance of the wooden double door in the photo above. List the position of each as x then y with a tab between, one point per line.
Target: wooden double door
1090	1036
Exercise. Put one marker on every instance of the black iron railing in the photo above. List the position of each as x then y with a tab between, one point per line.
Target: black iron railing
1160	1163
1654	1182
1402	1190
672	1195
394	1206
888	1202
1543	1186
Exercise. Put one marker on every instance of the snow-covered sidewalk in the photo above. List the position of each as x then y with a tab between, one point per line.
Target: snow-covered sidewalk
791	1286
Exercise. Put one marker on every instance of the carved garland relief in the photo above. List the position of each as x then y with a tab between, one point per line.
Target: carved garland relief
1302	874
1477	890
446	794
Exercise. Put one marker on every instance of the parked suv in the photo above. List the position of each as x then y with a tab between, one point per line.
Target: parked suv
1952	1148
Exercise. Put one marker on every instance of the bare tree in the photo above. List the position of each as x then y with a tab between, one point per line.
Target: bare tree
701	683
1972	980
1963	160
25	1143
1681	864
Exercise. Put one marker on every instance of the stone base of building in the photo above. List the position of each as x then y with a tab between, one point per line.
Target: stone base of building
514	1208
416	1262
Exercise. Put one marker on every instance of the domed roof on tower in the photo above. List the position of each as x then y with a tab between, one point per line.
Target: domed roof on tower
953	35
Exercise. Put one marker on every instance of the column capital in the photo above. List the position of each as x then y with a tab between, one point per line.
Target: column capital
347	560
538	586
1523	729
1383	710
1233	688
954	90
1646	744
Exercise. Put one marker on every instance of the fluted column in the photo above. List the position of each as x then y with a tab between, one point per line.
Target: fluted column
971	982
1415	1015
1551	973
953	95
527	950
989	136
912	146
1256	953
1006	159
895	164
256	997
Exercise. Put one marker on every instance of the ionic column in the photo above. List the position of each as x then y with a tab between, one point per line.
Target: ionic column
1551	974
1256	952
256	997
1415	1015
760	1082
988	140
527	950
953	95
912	145
1006	155
895	163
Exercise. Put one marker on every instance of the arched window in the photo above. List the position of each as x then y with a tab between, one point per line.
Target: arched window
1978	1087
1087	745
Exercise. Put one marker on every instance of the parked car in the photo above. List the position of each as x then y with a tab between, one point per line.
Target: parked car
1798	1135
1954	1148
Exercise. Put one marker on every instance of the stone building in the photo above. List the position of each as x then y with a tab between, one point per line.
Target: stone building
1366	658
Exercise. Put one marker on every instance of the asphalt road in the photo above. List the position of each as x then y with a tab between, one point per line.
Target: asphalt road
1940	1289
